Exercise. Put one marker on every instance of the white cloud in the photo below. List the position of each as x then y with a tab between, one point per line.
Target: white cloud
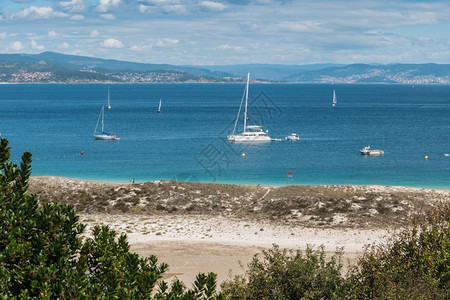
167	42
34	45
112	43
214	6
140	48
2	35
94	33
73	5
164	6
143	8
52	34
304	26
106	5
159	2
108	17
230	48
77	52
36	13
64	45
77	18
175	8
16	46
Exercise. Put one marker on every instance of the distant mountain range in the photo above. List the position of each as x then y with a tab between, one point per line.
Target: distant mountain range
50	67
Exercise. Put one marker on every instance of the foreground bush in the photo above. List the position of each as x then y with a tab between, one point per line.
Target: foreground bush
282	274
43	255
414	264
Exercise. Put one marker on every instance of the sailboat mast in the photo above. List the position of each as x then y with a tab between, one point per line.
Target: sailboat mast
103	117
246	101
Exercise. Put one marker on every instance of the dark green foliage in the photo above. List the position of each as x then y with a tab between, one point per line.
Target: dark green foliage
43	255
282	274
416	263
36	246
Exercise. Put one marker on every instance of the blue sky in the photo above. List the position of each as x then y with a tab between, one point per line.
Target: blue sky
224	32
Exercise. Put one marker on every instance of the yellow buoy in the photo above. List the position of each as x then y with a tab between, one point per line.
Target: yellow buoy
426	157
243	154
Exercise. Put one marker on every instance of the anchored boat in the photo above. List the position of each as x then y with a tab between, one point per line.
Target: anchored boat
367	151
292	137
251	133
104	135
334	99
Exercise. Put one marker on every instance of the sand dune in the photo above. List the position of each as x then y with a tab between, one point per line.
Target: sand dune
219	228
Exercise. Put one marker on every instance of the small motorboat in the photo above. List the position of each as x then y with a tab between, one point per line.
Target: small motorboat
292	137
367	151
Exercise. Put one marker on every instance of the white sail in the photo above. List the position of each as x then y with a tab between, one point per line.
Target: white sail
108	106
334	99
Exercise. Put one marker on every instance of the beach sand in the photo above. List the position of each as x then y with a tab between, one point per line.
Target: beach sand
193	244
197	227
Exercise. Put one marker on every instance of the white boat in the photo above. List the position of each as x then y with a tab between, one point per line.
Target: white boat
108	106
334	99
367	151
251	133
103	135
292	137
159	107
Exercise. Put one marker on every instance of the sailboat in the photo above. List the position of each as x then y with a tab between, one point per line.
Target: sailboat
108	106
159	107
334	99
251	133
103	135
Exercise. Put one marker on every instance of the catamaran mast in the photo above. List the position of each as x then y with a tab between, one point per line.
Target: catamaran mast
246	101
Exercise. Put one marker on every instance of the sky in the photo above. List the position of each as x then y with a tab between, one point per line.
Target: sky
226	32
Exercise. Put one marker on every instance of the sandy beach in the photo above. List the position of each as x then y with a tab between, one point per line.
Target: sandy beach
219	228
221	245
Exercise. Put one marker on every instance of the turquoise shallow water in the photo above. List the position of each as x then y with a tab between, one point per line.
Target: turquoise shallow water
187	141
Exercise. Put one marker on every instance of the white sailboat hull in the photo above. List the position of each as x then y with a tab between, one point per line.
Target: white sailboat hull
249	138
106	137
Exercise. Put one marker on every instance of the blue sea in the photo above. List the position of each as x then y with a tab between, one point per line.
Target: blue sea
187	141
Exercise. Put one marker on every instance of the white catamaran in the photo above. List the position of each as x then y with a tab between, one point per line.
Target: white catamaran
334	99
251	133
103	135
108	106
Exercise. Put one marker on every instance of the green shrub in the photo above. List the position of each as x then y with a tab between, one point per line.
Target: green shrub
282	274
43	255
414	264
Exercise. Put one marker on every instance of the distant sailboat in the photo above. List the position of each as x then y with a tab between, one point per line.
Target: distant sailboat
334	99
159	107
108	106
103	135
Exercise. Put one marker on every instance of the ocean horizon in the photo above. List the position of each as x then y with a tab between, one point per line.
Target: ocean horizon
187	141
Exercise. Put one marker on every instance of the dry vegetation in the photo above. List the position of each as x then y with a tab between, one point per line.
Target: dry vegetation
324	206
